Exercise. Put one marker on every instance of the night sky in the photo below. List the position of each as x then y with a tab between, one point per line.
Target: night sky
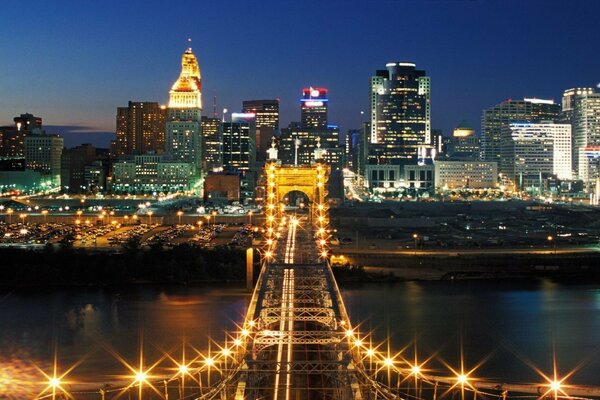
74	62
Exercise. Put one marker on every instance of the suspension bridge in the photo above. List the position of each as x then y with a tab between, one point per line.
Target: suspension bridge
297	341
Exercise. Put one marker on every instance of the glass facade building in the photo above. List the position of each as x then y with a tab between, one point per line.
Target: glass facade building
400	113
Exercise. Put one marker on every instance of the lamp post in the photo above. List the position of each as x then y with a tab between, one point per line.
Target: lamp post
416	237
45	214
10	211
552	242
23	216
250	217
214	214
150	216
179	214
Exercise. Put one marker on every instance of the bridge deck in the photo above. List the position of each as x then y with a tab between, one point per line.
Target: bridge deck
298	351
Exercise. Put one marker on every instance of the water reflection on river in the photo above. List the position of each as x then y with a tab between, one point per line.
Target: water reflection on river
511	324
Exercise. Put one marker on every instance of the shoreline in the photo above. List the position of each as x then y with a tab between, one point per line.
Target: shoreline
189	266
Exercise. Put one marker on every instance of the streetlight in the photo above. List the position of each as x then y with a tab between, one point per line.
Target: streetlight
250	217
45	214
9	212
150	216
416	237
552	242
22	216
179	214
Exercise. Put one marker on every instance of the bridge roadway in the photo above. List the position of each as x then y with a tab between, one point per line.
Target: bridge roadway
298	351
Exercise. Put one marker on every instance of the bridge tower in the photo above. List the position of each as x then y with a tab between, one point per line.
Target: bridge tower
311	180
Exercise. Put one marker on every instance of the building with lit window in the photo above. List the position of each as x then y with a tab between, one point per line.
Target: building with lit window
73	163
464	145
151	173
581	107
313	108
43	154
532	152
400	114
267	122
239	146
140	129
183	141
494	118
297	146
212	140
450	175
12	138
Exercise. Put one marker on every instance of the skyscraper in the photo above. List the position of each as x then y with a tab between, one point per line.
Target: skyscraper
494	118
582	107
313	108
183	128
140	128
400	113
533	151
239	146
267	122
212	140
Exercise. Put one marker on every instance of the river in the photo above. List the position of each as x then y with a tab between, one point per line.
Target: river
511	328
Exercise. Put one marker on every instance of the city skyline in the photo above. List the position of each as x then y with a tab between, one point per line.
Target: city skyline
476	54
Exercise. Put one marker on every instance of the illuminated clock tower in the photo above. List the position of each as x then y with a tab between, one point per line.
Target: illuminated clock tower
183	129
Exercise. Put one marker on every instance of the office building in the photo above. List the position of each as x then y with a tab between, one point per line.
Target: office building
313	108
267	122
43	154
140	129
239	146
400	113
150	173
212	140
12	138
297	146
494	118
464	145
73	167
532	152
450	175
183	141
581	107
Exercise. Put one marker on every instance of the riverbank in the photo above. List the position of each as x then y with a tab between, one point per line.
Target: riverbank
479	265
185	264
72	267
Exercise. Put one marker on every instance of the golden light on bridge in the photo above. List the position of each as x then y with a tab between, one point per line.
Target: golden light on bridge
462	379
209	361
140	377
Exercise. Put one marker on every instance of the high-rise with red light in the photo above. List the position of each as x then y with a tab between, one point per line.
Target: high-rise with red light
313	108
